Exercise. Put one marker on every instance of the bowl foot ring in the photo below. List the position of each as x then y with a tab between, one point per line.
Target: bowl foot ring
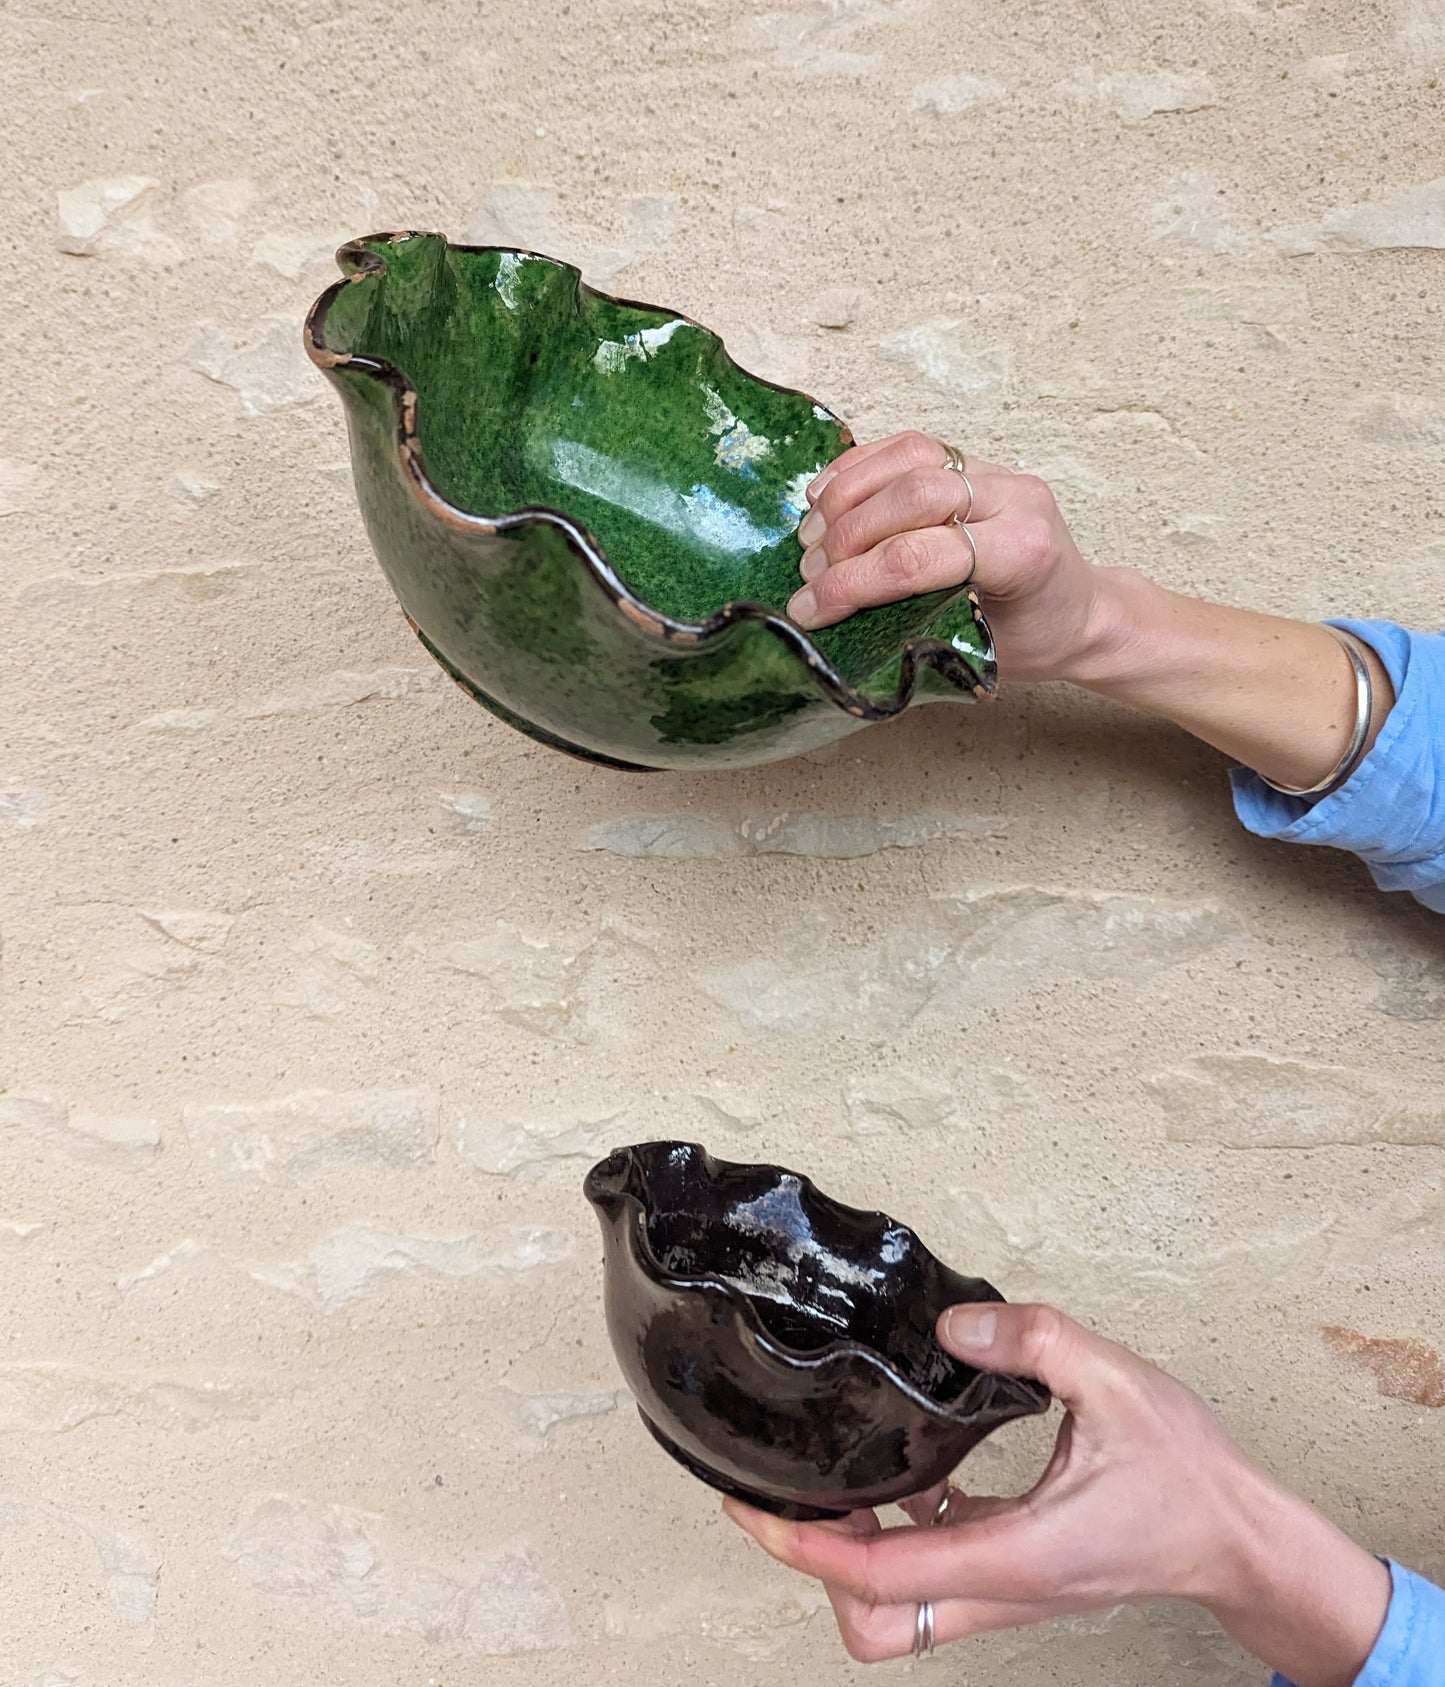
795	1513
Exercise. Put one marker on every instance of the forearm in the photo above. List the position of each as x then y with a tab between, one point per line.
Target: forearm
1274	694
1297	1593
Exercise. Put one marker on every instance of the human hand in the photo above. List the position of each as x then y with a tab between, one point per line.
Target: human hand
1145	1497
880	529
1274	694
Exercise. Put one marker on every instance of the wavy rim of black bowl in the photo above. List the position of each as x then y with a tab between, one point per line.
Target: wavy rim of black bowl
832	1352
918	652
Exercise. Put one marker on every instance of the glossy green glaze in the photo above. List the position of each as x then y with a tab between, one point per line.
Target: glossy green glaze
589	514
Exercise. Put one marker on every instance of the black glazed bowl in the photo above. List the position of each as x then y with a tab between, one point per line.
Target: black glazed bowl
781	1345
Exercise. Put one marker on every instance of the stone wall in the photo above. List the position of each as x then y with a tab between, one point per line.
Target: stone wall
321	988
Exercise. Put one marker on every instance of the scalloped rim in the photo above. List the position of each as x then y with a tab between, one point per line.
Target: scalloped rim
742	1306
363	264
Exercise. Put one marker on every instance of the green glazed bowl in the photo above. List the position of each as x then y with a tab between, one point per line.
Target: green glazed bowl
589	514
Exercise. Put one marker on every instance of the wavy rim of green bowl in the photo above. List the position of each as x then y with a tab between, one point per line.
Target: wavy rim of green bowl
362	264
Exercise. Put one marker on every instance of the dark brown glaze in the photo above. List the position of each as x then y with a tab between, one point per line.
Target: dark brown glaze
781	1345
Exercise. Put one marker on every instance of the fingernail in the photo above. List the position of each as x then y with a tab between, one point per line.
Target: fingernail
815	490
813	528
814	563
967	1328
804	606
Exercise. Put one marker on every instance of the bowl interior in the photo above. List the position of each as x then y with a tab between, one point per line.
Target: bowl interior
536	392
814	1273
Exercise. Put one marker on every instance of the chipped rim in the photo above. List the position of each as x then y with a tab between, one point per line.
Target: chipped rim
362	264
613	1183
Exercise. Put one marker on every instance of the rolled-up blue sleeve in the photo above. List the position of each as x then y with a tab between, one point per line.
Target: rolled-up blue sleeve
1411	1649
1391	811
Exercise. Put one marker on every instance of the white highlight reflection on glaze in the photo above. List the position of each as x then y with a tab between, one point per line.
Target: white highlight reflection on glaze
613	355
509	270
738	447
698	516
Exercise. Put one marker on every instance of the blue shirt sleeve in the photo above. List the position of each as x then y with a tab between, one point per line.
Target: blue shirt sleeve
1411	1649
1391	811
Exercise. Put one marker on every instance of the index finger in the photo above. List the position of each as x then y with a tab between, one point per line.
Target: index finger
860	472
854	455
990	1556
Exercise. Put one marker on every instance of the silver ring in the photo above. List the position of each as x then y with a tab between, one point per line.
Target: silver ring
923	1623
963	528
923	1631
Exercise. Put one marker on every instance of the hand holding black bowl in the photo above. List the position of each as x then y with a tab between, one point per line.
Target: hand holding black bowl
815	1362
1146	1497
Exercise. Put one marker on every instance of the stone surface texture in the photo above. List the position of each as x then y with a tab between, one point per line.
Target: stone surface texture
319	988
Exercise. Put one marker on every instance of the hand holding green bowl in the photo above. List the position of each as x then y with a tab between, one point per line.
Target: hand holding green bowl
590	515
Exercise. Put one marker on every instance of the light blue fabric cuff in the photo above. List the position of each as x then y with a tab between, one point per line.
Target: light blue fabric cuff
1411	1649
1391	811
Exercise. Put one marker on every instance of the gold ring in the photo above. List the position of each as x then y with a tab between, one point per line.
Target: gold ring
953	458
968	507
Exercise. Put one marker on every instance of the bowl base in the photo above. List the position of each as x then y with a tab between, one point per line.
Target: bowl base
795	1513
539	733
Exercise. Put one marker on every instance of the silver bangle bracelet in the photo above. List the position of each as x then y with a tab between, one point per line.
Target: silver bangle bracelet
1364	709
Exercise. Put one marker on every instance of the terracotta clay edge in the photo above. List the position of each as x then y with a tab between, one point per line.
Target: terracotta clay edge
360	263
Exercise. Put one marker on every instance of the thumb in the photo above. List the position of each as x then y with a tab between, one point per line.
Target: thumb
1037	1341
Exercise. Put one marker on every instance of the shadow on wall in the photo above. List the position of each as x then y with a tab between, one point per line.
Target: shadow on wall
1058	762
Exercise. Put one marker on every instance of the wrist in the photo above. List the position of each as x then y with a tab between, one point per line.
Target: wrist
1273	694
1123	635
1259	1523
1294	1590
